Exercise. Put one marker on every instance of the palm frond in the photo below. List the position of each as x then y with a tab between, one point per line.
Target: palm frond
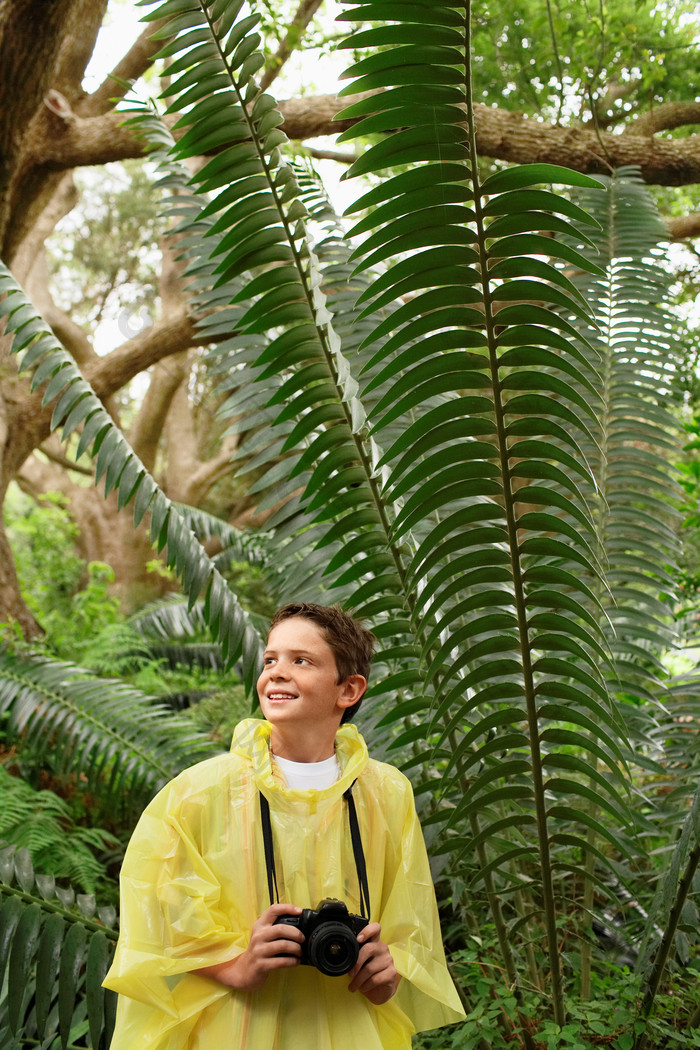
509	628
465	540
55	948
421	418
634	511
675	907
257	228
636	436
123	745
77	407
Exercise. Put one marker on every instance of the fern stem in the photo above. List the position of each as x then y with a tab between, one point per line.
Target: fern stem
664	948
547	882
58	909
491	894
496	911
535	975
362	454
550	917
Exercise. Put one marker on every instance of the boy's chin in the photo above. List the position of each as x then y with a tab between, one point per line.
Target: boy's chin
278	710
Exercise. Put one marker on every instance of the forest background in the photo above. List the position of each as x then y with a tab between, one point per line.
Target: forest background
479	432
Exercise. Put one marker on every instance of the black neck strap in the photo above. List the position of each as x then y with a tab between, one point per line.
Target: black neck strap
357	850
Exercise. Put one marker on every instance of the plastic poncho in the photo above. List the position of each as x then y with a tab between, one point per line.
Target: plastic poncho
194	881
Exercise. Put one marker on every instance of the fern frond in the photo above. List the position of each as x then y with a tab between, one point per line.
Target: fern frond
42	823
124	745
78	407
636	513
502	408
54	954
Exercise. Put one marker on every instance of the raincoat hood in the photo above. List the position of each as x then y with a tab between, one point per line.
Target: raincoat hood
251	742
194	882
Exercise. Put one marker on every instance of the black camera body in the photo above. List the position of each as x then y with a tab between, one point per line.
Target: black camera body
330	936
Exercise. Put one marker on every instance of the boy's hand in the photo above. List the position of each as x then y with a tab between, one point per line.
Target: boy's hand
374	973
271	948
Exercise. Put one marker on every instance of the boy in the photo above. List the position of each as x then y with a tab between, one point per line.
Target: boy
205	960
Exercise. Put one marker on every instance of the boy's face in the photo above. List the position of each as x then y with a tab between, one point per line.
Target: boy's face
299	681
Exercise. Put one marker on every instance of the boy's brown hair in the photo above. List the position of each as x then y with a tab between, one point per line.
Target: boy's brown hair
351	643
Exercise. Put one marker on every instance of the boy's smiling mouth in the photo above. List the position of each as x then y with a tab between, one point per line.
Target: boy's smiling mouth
278	696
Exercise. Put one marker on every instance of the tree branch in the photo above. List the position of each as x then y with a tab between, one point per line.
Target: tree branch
31	424
682	227
164	338
53	451
147	427
61	203
70	334
134	64
519	139
329	154
31	33
305	12
501	135
201	480
665	117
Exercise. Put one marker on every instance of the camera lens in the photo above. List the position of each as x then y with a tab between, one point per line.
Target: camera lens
333	949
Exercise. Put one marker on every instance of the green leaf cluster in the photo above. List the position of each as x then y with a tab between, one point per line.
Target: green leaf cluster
54	953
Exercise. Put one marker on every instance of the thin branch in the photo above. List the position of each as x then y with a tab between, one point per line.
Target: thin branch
166	337
557	60
665	117
73	337
305	12
682	227
146	430
329	154
133	65
210	471
62	461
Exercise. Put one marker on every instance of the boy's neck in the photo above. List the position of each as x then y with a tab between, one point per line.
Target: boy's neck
310	748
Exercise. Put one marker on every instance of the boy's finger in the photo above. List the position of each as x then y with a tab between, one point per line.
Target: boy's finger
369	933
290	933
285	947
275	910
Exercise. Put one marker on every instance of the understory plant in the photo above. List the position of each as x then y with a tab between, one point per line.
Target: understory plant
456	413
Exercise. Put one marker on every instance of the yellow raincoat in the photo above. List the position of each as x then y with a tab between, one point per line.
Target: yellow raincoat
194	882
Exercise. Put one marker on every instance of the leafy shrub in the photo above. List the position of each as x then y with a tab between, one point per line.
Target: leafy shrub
43	823
69	597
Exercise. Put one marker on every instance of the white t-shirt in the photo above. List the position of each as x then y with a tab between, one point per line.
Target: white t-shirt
305	775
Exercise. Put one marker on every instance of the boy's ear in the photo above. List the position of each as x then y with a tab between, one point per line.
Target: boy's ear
351	690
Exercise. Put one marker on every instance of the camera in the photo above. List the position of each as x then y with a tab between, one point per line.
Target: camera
330	936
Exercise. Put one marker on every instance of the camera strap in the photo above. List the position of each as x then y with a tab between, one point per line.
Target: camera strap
355	837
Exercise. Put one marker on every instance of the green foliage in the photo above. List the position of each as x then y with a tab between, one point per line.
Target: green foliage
689	467
123	745
103	256
43	544
584	57
43	824
497	1018
218	713
69	598
118	465
278	23
54	953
